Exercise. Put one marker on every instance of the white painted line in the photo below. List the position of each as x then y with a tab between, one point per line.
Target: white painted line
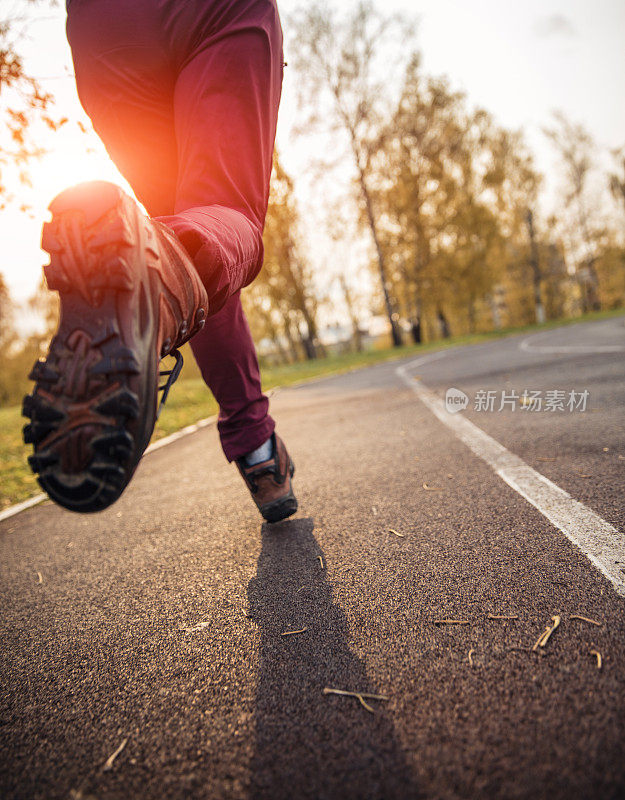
582	349
11	511
601	542
173	437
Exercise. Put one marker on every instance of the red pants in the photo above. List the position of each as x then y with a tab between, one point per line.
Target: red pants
185	95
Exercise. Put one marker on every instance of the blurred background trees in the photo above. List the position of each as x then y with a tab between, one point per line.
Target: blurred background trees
24	105
282	303
23	102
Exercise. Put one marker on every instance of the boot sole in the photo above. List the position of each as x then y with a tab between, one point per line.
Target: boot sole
93	406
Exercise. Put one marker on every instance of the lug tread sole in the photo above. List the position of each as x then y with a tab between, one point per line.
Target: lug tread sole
84	455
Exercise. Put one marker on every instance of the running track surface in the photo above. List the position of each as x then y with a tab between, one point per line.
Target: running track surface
157	624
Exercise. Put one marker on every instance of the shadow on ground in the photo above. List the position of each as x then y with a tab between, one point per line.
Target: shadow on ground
308	744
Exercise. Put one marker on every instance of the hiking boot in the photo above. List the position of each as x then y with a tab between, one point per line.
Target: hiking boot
270	483
129	296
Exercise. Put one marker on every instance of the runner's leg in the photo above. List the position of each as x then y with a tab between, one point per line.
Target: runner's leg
218	157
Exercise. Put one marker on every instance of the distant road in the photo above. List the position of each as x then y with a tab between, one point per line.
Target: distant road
142	654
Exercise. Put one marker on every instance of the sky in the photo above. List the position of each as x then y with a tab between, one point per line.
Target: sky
520	61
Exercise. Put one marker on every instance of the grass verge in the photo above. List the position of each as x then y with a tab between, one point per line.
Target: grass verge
190	400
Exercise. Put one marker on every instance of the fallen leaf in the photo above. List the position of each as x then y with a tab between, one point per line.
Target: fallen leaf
200	626
470	656
542	458
432	488
451	621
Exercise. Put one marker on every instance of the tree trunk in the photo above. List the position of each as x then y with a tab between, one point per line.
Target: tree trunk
309	347
539	309
415	330
415	325
444	325
276	339
290	339
353	318
313	334
395	332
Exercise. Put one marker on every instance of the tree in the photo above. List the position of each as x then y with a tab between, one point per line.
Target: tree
515	183
535	265
7	331
350	305
24	102
453	191
617	178
414	171
345	86
575	148
282	302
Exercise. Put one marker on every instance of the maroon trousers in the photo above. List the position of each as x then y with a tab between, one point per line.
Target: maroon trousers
185	95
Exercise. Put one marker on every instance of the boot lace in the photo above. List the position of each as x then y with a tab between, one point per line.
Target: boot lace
172	376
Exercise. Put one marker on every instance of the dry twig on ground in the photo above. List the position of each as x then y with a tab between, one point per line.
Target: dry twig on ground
108	764
546	634
586	619
360	696
597	655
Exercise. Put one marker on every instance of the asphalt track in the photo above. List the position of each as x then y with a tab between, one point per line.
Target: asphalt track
157	624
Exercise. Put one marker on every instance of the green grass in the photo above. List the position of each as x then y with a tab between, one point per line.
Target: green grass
190	400
18	482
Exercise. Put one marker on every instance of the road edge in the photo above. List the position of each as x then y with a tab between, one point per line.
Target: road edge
595	537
